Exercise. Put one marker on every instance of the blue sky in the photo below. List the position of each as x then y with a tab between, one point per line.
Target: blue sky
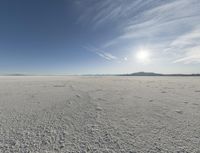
99	36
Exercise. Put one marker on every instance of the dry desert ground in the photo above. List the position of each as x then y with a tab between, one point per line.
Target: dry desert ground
80	114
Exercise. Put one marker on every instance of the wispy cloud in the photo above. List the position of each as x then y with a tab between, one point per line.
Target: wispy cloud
187	47
101	53
191	55
97	12
159	21
191	38
172	24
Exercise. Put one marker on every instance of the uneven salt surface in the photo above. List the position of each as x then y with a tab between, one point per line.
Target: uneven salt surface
99	114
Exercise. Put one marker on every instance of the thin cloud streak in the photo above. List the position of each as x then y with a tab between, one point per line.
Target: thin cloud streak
101	53
191	55
188	46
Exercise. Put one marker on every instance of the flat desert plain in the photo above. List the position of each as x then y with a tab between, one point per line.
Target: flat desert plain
77	114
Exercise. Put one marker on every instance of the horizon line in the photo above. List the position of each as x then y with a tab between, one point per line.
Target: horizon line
140	73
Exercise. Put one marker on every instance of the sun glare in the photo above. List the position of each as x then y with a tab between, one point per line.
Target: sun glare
143	56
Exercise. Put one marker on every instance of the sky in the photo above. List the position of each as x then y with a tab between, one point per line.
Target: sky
99	36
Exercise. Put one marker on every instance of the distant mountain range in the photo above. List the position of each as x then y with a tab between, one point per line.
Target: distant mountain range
16	74
156	74
129	74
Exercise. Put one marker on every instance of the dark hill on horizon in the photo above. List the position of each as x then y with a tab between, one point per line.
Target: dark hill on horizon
156	74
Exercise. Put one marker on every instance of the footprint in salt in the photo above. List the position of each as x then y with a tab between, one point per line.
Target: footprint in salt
179	111
78	96
58	86
98	108
101	99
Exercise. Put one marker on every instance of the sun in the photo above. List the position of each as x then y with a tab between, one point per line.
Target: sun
143	56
